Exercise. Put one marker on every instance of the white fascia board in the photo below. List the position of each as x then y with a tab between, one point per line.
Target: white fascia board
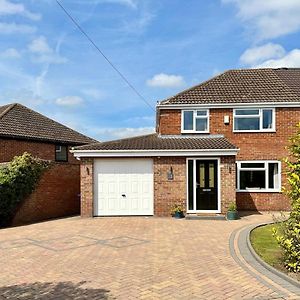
151	153
228	105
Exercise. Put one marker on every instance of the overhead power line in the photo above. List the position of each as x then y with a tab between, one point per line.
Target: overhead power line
104	56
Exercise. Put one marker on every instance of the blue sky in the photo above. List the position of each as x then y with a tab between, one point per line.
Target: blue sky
161	46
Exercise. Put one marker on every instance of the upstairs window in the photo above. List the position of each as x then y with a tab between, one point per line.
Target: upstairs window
258	176
195	121
251	120
61	153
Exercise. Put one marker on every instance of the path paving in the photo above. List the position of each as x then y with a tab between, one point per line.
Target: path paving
126	258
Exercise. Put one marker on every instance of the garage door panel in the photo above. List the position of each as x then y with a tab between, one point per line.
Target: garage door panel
123	187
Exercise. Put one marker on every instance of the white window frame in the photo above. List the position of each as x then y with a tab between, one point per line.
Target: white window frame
194	120
266	169
58	150
260	116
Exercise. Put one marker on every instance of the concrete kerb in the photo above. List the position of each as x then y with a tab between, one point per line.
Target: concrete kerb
263	263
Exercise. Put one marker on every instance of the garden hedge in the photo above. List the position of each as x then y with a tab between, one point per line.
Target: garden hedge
17	181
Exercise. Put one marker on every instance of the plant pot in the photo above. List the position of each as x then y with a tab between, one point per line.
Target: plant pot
232	215
178	215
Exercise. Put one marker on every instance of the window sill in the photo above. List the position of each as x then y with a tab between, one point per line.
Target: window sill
258	191
191	131
254	131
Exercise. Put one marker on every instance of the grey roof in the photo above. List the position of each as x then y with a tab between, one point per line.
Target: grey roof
18	121
244	86
158	142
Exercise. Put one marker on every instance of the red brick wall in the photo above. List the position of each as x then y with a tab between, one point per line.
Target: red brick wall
57	193
9	148
253	146
86	186
228	193
166	192
169	192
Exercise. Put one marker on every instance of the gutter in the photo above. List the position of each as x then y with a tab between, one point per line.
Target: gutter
154	153
228	105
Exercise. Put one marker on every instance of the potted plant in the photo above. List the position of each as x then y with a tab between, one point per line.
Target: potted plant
177	211
232	213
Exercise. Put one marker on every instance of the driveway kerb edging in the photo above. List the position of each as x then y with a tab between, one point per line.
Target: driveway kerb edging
254	273
263	263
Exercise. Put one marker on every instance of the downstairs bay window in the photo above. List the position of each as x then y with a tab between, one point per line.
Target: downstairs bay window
258	176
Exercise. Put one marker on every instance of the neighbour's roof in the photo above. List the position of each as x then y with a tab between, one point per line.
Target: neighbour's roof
18	121
166	142
244	86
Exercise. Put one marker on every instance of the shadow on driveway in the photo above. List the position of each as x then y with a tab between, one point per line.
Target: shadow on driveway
60	290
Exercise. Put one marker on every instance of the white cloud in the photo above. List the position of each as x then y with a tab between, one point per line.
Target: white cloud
166	81
10	53
39	45
262	53
269	19
10	8
94	93
69	101
289	60
50	59
129	3
44	53
10	28
119	133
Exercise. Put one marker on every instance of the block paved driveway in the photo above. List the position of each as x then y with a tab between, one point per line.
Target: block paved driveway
125	258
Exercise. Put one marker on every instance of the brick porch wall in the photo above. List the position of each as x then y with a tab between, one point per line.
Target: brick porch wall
86	187
228	176
170	192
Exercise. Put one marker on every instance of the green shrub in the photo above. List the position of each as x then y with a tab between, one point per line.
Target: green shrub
289	237
17	180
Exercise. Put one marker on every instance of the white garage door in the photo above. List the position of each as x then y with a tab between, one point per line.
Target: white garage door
123	187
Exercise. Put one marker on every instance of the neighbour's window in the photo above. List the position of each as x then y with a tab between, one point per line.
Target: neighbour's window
261	119
195	121
61	153
258	176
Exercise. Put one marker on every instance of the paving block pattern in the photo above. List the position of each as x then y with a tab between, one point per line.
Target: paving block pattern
126	258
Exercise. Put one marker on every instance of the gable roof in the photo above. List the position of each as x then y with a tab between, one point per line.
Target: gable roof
158	142
18	121
243	86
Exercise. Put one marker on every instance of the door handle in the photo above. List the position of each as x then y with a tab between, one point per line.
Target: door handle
206	190
123	195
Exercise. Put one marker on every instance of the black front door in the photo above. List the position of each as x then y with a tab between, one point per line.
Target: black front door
206	185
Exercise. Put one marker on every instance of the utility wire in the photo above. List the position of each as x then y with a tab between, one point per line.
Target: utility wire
104	56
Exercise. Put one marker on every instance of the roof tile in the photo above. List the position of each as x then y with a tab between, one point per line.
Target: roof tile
18	121
243	86
158	142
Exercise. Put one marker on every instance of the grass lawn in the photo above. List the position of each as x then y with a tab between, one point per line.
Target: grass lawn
267	247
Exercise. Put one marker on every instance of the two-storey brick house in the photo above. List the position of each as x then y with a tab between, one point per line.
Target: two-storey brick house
218	142
57	194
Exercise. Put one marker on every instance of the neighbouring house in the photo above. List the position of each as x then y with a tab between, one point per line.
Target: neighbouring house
218	142
57	194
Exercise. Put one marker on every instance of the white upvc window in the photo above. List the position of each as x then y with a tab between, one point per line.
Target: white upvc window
195	121
259	176
254	120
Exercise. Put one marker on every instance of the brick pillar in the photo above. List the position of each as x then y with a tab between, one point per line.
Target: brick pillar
86	187
228	185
